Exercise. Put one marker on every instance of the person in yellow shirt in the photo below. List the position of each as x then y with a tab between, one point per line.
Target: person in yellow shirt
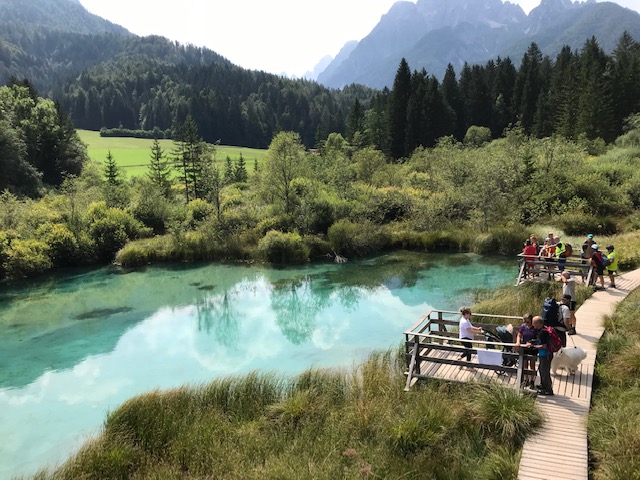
612	268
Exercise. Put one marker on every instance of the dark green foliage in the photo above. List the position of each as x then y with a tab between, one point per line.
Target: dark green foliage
159	170
111	171
38	144
240	170
398	110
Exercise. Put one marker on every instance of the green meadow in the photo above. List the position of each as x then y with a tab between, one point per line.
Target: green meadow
133	154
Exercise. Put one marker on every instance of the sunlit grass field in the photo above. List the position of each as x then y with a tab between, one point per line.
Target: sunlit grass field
133	154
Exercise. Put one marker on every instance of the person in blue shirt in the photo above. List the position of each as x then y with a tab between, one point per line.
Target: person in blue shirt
544	356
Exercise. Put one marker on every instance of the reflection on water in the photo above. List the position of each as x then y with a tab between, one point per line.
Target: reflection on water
75	345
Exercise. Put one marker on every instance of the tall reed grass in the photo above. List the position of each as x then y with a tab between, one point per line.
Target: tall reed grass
321	424
614	420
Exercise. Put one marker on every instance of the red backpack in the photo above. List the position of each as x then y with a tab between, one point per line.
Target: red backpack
555	342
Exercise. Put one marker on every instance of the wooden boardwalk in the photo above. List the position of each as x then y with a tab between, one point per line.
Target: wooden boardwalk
565	428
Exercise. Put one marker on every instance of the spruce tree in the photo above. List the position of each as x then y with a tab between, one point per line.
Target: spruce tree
398	107
240	171
355	123
229	176
111	171
451	93
528	87
190	155
595	109
159	169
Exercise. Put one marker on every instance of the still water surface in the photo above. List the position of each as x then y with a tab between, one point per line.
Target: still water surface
74	346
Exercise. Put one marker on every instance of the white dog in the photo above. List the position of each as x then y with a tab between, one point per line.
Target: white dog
568	358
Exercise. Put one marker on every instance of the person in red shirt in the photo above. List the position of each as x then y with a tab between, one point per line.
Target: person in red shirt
529	251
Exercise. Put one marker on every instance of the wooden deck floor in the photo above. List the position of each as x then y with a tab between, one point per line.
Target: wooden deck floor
566	411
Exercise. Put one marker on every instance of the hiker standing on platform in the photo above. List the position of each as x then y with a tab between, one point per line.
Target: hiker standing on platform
544	355
612	268
569	288
467	332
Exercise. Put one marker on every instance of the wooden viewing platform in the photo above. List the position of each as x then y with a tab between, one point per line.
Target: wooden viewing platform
559	450
546	269
433	350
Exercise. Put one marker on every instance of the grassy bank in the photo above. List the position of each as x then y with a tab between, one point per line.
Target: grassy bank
322	424
132	154
614	421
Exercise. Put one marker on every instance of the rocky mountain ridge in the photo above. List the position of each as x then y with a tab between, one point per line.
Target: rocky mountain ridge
431	34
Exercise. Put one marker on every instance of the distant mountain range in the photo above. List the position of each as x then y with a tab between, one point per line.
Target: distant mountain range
430	34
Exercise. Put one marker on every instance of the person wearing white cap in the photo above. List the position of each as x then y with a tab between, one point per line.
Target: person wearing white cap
596	261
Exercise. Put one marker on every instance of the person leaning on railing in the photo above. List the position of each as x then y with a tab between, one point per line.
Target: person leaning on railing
527	334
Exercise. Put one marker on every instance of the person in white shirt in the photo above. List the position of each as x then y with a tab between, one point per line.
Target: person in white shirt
569	288
467	332
565	313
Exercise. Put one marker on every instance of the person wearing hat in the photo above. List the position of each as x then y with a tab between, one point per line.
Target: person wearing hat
612	268
596	261
587	246
569	289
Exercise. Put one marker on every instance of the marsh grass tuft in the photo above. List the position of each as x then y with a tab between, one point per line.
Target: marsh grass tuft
614	420
507	415
321	424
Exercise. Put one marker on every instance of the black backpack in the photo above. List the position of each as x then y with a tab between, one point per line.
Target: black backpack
550	312
551	316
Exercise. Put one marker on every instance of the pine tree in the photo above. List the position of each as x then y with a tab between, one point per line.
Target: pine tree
229	176
528	87
398	107
111	171
595	109
355	122
240	171
159	170
451	93
626	79
189	157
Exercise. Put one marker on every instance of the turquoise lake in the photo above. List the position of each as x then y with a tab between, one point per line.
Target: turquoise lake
75	345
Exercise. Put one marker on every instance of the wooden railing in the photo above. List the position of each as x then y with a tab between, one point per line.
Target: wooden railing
529	269
437	331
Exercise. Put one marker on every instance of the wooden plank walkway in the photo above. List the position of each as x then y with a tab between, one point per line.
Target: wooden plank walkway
565	428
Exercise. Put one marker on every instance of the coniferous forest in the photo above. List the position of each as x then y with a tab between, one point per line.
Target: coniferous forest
425	165
578	94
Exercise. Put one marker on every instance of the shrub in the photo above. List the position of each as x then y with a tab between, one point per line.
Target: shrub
135	255
505	241
198	210
347	237
577	223
62	244
318	246
477	136
283	248
26	258
110	228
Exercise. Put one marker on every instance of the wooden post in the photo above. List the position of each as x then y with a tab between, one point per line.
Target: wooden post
520	367
412	365
521	273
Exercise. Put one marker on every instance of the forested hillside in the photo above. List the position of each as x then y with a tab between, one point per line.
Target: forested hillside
113	79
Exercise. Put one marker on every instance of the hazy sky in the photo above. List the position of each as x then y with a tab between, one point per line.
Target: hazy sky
278	36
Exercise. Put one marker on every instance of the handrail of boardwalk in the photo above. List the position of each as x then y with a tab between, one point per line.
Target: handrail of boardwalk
421	344
536	267
565	412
